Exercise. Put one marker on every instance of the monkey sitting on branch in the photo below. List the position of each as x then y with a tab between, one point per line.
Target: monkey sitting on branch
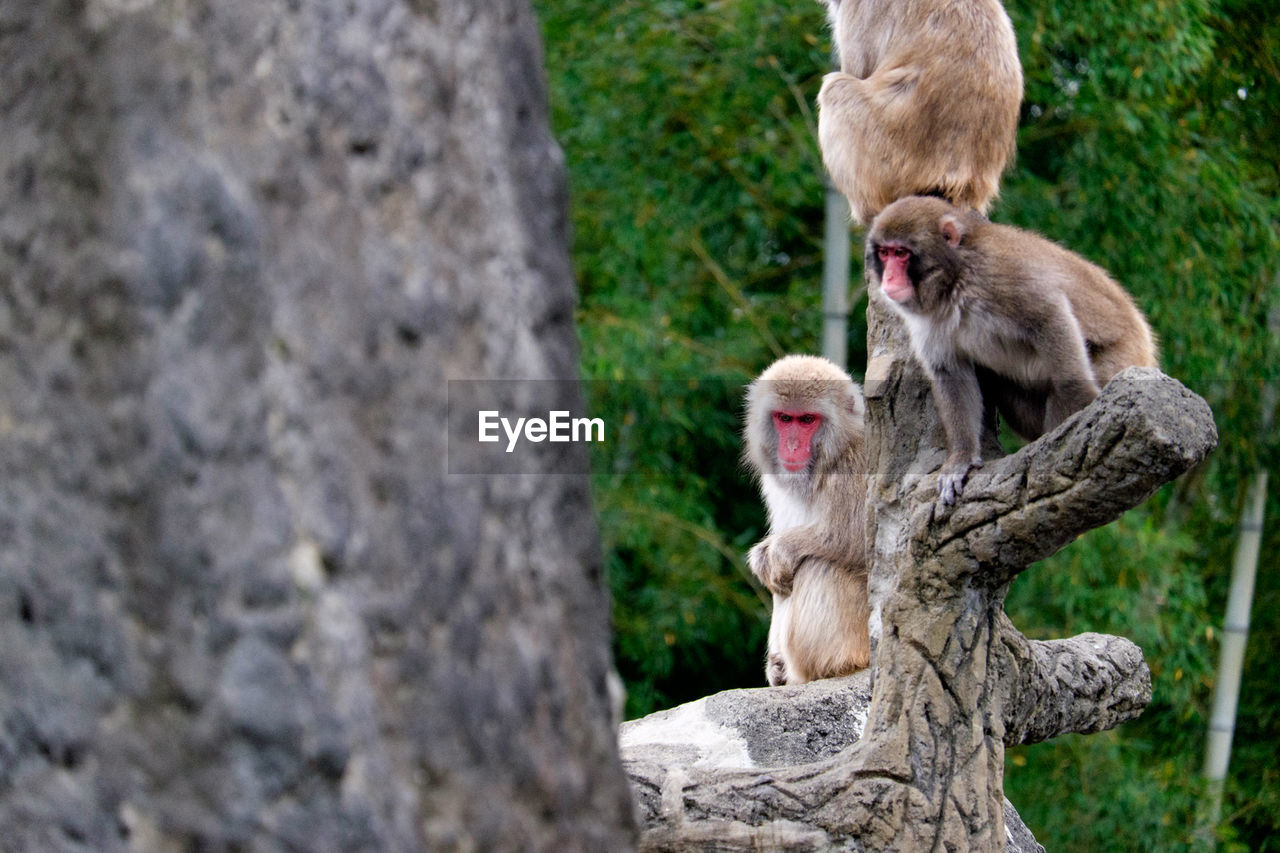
805	442
1044	327
925	102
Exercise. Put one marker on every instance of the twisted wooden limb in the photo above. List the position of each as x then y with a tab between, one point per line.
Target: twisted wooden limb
954	681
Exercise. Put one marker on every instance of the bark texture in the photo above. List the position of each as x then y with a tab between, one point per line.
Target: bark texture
243	606
766	730
954	681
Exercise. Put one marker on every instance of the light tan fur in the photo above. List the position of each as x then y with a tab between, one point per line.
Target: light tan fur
814	559
1050	327
926	101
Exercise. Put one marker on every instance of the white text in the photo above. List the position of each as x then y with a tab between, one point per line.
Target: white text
558	427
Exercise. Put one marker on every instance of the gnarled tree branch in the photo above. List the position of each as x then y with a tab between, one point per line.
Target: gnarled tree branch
1142	431
1088	683
954	680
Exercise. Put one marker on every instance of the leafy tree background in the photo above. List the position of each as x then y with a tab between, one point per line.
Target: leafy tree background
1149	143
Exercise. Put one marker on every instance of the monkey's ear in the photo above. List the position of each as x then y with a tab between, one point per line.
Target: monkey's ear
854	403
951	230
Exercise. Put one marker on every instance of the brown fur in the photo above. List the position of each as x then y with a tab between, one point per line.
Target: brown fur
1046	325
926	101
814	558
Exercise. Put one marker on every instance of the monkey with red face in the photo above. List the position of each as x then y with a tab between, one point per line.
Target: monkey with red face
1044	327
805	442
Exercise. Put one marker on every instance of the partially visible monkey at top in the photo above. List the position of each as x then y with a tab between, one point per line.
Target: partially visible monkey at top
1044	327
925	102
805	441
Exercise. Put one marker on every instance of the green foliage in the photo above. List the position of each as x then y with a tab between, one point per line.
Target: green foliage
1132	154
1148	143
1140	580
697	208
1098	798
1145	147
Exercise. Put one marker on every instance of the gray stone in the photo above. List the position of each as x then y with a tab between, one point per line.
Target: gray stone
243	605
758	730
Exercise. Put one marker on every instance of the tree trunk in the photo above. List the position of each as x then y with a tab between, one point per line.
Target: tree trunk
243	604
953	680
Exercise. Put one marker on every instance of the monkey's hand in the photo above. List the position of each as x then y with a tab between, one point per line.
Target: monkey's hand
831	81
953	474
771	562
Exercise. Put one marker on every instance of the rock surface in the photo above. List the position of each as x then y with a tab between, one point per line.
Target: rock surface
243	605
757	730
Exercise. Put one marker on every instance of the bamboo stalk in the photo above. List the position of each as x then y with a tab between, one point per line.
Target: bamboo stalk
835	279
1235	632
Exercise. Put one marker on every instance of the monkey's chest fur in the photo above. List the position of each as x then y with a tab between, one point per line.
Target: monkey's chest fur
787	509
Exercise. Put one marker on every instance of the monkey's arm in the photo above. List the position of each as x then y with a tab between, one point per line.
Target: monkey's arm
773	562
959	401
775	559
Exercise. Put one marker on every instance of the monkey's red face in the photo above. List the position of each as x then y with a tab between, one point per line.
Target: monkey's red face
895	282
795	432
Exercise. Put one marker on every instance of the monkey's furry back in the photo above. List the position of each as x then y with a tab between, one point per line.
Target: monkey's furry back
926	101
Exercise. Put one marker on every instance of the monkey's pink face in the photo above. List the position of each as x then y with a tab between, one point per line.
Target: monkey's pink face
895	282
795	432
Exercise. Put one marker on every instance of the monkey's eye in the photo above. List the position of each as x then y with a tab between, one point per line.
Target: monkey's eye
784	417
807	419
898	252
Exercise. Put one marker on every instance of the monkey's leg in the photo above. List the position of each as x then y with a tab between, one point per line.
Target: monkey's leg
827	632
775	669
1064	358
1022	408
775	665
959	401
1068	397
1136	350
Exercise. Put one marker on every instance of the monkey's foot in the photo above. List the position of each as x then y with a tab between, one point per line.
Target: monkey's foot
952	476
775	670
